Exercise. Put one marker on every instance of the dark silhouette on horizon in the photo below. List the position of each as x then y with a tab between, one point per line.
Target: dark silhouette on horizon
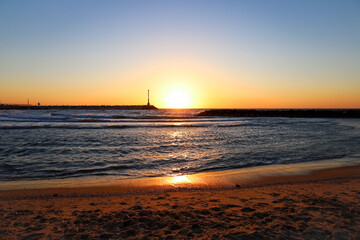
79	107
76	107
290	113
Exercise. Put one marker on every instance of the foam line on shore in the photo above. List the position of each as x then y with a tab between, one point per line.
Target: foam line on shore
272	174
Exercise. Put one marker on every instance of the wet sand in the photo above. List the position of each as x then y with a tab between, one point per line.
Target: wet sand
321	205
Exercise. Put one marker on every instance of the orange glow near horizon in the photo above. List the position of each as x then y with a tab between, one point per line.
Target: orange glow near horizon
188	86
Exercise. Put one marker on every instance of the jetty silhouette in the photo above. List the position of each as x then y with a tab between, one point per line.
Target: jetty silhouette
288	113
148	106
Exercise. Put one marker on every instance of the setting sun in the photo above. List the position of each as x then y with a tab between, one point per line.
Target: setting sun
178	98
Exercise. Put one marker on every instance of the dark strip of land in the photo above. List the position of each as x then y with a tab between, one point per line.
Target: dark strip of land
78	107
291	113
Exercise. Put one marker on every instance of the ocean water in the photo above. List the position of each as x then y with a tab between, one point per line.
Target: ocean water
124	144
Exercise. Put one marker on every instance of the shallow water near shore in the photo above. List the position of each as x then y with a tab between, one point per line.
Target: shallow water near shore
251	176
111	145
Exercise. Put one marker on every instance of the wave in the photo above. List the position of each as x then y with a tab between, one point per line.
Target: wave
237	124
80	126
95	124
92	118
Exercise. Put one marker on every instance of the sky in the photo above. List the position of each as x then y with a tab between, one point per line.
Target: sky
199	54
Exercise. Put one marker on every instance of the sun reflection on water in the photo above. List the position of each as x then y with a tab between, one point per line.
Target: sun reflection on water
177	134
181	179
178	124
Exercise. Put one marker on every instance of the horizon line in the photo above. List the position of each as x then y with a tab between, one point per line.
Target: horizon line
138	105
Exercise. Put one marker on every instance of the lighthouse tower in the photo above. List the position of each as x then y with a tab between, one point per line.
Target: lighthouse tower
148	98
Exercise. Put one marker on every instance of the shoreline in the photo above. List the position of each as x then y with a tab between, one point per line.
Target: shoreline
226	179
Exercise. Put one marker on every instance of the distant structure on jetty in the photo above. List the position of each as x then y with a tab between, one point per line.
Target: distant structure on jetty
79	107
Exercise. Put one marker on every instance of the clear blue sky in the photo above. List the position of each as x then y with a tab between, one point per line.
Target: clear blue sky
53	50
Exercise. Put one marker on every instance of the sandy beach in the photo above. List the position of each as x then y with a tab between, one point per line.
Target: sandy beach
320	205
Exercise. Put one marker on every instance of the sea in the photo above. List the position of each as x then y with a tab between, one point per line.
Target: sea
132	144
